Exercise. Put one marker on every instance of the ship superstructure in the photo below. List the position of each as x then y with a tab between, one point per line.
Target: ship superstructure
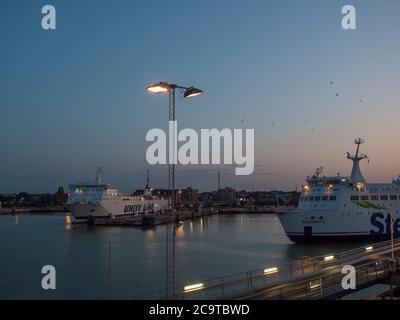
342	208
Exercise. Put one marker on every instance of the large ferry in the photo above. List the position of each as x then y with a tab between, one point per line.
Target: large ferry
100	200
344	208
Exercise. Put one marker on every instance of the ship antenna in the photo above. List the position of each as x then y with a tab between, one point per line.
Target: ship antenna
99	175
318	171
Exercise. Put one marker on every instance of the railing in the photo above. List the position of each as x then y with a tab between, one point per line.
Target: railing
328	286
251	281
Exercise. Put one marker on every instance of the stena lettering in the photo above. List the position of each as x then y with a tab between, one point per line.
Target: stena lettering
382	225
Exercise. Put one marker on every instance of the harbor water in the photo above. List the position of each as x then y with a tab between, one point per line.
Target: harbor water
129	263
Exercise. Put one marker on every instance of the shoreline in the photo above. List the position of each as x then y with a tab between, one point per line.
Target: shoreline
34	210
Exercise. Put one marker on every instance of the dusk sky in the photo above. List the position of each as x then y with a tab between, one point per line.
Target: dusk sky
74	98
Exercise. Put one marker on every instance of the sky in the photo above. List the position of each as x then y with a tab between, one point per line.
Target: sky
74	98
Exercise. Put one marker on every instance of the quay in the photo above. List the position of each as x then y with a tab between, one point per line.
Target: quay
34	210
150	220
248	210
311	278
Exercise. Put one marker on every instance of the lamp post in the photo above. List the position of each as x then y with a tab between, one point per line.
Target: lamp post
186	92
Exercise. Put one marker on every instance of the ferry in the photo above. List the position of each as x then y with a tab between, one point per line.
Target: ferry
101	200
340	208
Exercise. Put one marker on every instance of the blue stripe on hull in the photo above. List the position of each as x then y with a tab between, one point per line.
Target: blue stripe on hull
337	239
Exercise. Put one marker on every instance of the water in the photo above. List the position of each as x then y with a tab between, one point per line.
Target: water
127	263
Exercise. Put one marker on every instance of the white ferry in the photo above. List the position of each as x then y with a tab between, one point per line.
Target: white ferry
344	208
100	200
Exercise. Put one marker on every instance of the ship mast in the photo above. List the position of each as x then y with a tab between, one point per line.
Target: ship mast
356	172
148	179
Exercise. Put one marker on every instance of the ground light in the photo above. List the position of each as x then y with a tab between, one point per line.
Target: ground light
270	271
193	287
329	258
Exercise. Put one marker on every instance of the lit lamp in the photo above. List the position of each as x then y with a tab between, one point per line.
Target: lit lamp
192	92
160	87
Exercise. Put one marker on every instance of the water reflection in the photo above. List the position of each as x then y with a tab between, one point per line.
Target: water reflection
207	248
180	229
150	234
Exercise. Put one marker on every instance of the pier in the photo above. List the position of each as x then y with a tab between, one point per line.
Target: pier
315	278
152	219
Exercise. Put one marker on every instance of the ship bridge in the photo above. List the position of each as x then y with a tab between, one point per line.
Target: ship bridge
328	180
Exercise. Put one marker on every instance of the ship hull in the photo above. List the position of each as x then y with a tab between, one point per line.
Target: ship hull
82	211
303	226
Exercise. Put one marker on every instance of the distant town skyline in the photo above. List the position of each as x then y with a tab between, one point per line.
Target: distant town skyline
74	98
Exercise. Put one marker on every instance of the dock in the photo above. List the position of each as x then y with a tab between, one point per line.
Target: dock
150	220
247	210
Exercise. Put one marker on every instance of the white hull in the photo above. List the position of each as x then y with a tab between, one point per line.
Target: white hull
316	226
117	209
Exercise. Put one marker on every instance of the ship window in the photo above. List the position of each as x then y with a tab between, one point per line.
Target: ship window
332	198
384	197
394	197
354	198
317	198
376	198
365	198
324	198
311	198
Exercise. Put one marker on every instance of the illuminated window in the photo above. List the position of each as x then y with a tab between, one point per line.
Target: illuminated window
374	198
354	198
365	198
393	197
384	197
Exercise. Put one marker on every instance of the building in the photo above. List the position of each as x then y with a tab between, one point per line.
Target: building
24	199
189	195
227	195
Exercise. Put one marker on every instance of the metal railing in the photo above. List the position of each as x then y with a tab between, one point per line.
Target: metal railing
245	283
329	285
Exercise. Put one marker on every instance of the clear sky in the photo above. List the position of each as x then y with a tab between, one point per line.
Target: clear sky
74	98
